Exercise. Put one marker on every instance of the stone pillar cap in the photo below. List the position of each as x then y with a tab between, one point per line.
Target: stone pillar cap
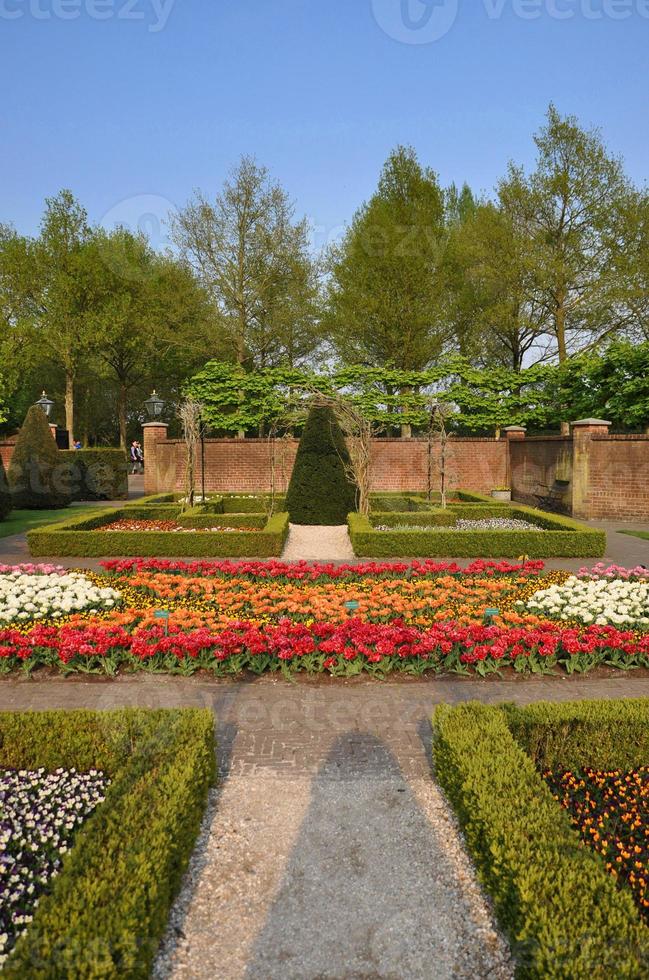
157	425
591	422
515	428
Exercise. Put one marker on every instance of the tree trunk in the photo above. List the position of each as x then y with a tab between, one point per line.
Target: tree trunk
560	327
69	406
121	415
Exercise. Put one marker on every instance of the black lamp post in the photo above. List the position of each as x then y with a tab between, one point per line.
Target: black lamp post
154	405
46	404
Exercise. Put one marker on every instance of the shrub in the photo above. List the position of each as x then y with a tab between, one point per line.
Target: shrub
98	474
78	536
562	911
6	503
108	908
320	492
39	478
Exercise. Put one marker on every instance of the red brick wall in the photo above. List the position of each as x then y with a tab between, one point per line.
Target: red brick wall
536	463
6	450
398	464
619	478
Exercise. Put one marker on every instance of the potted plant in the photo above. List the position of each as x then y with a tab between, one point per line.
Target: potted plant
502	493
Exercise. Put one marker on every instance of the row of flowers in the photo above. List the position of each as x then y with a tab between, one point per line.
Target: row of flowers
25	596
341	649
312	571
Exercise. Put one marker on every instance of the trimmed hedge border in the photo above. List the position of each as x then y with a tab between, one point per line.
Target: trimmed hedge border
108	908
75	537
558	536
564	914
583	733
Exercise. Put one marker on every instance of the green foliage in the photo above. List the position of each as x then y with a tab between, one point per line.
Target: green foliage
79	537
6	502
603	735
557	537
253	257
98	474
320	491
563	913
39	478
386	290
108	908
426	516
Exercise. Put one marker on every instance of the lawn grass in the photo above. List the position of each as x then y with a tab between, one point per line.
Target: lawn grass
23	520
636	534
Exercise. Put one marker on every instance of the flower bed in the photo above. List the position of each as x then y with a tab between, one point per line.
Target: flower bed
105	911
617	602
610	810
148	525
564	913
25	597
91	535
39	815
536	533
345	649
228	617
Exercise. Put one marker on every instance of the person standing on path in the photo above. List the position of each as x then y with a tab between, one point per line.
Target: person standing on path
136	459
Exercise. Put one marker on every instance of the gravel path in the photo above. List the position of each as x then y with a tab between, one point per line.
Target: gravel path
329	852
318	543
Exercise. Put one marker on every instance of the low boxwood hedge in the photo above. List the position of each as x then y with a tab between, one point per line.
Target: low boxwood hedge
97	474
596	734
557	537
108	908
80	536
433	517
564	914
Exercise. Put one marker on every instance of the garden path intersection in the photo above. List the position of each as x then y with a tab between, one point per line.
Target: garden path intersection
326	822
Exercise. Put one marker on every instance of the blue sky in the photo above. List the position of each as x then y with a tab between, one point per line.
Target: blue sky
133	110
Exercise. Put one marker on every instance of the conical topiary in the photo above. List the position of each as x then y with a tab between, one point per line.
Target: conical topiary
5	495
320	491
38	476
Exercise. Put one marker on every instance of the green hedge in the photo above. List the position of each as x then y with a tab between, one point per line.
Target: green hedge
433	517
598	734
97	474
558	537
198	517
564	914
108	908
155	498
79	537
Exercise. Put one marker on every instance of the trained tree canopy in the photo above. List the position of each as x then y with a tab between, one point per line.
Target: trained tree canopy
320	491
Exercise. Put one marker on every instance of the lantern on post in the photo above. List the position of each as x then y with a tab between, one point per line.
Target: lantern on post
154	405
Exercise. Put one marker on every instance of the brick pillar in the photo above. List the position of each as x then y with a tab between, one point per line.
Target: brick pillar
582	432
154	432
513	433
53	431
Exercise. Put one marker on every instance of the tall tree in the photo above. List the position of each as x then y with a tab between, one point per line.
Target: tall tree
146	308
50	290
573	204
252	255
493	293
385	297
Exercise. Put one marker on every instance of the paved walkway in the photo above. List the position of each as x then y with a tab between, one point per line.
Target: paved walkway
328	850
